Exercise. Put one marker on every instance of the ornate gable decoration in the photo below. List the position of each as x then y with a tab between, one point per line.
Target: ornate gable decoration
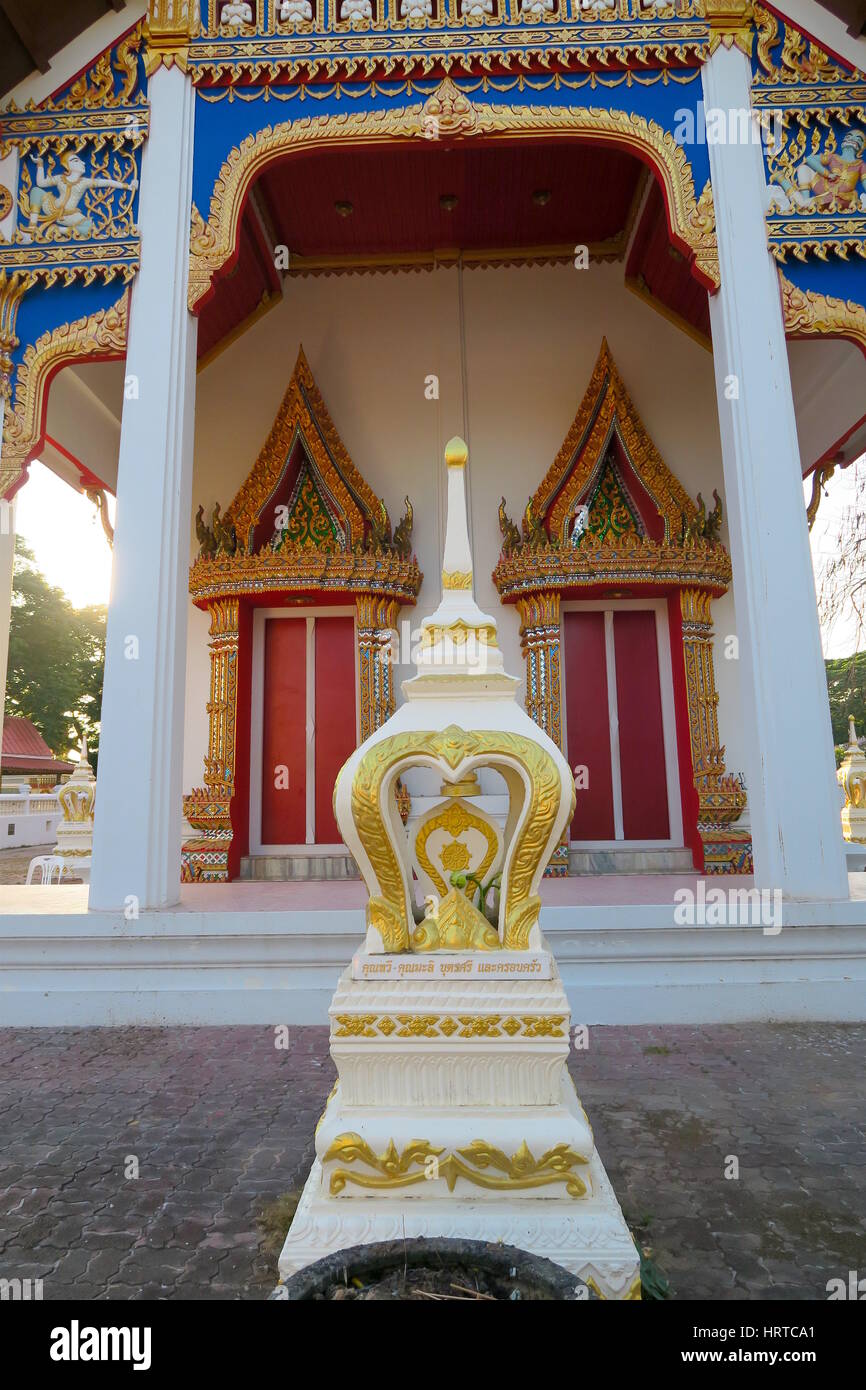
609	509
304	519
326	500
606	413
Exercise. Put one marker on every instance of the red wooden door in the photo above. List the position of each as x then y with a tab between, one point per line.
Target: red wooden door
294	715
641	732
587	722
334	715
621	746
284	738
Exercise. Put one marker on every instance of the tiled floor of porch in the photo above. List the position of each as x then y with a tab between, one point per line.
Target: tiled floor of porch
596	890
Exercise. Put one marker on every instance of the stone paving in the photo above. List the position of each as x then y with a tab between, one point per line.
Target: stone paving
218	1123
14	863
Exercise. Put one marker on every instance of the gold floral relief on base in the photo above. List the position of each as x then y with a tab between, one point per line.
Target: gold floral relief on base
421	1162
449	1026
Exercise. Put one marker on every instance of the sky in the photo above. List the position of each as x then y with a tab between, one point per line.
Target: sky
841	638
64	532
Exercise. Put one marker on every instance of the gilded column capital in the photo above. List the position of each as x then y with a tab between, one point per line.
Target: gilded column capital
169	27
224	617
539	616
730	23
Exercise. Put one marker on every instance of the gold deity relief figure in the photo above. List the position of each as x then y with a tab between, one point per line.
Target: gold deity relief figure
70	199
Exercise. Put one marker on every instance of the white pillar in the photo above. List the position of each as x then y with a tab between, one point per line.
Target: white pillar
790	769
137	832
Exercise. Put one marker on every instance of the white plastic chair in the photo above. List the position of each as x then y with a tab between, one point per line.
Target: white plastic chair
52	867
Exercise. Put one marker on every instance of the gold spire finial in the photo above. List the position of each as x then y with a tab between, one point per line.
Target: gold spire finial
456	452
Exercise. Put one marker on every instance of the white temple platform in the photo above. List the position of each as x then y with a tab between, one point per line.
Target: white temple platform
271	953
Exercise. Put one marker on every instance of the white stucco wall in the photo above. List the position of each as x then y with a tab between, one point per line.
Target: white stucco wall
531	340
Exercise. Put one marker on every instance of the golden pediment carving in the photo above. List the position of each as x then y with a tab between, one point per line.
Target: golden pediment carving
608	408
325	467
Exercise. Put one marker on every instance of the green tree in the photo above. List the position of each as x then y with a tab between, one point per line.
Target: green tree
56	659
846	687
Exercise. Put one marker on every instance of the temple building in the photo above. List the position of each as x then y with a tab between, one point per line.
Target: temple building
27	759
259	262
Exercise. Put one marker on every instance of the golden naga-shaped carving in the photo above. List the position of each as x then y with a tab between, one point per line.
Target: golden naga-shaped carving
444	726
704	526
821	475
534	534
511	537
204	535
223	533
97	496
403	533
219	538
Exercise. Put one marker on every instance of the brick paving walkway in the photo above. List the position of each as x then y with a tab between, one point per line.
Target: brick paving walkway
220	1123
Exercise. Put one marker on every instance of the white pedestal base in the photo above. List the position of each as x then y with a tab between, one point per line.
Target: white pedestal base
455	1116
589	1238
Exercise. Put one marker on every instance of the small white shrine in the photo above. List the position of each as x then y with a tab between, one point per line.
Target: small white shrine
852	779
452	1022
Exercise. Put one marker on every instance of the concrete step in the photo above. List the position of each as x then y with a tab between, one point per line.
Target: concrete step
282	868
629	861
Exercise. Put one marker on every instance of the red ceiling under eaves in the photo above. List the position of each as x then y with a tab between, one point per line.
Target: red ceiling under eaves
663	271
239	293
395	197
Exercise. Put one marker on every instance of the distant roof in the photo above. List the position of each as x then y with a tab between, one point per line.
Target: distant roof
25	750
